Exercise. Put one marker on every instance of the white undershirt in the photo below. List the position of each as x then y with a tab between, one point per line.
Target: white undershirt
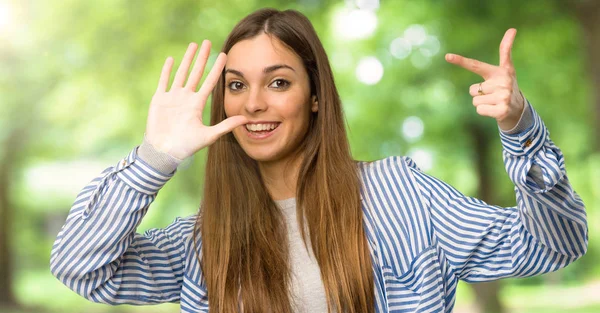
307	291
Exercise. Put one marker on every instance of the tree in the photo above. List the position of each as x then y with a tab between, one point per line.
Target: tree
588	15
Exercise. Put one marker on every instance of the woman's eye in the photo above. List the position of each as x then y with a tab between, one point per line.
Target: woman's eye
280	84
235	85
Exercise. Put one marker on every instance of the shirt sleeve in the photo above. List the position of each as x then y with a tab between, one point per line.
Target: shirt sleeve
545	231
98	253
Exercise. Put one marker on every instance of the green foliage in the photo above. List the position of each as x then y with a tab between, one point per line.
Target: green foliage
80	75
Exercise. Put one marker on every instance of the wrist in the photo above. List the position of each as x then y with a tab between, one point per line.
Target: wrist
157	158
510	123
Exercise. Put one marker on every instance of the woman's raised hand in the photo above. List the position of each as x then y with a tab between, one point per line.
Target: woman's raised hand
174	124
498	96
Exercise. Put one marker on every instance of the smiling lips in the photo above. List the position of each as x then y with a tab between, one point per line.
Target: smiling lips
261	130
258	127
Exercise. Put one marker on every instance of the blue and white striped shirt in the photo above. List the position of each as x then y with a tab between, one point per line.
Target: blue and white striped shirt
423	234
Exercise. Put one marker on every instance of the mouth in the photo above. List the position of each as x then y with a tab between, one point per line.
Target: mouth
261	130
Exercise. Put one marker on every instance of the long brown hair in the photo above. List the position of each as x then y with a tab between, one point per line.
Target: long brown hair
243	234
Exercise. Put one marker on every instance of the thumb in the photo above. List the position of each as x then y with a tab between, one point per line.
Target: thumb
228	125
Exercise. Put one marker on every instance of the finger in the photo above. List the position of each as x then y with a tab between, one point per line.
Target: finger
213	76
163	81
480	68
185	65
228	125
198	70
485	100
486	89
487	110
506	47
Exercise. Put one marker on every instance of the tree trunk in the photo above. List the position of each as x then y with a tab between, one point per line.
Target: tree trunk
588	14
11	147
486	294
6	296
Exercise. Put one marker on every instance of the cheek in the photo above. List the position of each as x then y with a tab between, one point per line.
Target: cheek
231	105
291	106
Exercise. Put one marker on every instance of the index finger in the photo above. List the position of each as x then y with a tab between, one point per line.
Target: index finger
480	68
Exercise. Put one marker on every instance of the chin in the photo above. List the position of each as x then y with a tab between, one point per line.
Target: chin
261	156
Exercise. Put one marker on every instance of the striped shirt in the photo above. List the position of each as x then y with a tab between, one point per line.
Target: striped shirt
424	235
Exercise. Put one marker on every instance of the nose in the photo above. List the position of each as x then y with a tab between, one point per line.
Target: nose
255	102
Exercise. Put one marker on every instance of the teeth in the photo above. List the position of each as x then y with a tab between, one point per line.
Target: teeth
261	127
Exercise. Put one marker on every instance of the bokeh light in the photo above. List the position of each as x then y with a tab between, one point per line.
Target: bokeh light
415	34
61	178
355	24
412	128
5	16
369	70
423	158
416	45
430	47
419	60
400	48
367	4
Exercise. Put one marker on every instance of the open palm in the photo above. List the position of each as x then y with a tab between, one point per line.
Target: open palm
174	124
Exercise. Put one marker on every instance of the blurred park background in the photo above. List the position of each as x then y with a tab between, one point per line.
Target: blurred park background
76	78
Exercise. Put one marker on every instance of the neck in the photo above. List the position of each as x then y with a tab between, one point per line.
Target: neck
281	177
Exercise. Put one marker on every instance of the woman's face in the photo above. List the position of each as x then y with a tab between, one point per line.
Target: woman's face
267	82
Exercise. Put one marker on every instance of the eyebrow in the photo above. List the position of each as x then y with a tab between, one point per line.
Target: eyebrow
266	70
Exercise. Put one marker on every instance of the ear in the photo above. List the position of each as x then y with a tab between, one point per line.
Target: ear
315	104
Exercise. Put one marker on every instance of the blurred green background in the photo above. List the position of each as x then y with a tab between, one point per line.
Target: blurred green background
76	78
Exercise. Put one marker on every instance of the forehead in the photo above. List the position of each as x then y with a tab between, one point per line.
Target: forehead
261	51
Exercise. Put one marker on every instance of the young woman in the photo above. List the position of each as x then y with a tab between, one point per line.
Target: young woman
289	221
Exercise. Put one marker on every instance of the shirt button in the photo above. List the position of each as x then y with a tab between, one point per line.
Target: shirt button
124	162
527	143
